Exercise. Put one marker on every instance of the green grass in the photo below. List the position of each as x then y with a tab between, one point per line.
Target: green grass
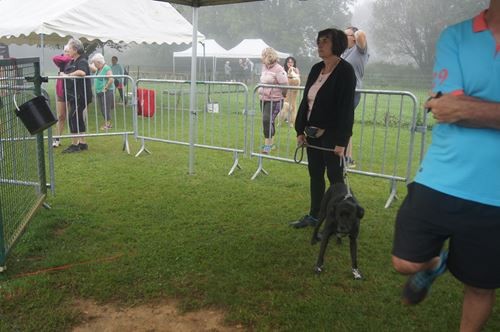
208	240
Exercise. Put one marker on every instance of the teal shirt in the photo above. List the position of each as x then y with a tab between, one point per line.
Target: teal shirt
118	70
462	161
101	82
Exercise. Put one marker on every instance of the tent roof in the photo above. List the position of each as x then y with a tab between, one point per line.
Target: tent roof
200	3
212	49
128	21
250	48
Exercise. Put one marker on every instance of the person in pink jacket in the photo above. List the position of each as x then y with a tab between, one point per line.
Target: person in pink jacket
271	97
60	61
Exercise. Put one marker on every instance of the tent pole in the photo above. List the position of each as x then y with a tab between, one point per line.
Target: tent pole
192	99
214	68
43	54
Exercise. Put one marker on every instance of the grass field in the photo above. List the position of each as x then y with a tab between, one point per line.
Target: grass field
130	231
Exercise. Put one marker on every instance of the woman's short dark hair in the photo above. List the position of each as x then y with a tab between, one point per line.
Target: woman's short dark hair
337	37
286	63
353	29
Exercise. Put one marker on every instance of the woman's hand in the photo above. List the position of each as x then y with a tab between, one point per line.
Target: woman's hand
339	150
301	140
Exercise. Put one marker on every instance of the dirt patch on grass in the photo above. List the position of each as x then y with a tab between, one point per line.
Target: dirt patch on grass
158	317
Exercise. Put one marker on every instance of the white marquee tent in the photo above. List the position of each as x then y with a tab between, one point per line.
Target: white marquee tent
128	21
251	48
209	48
53	22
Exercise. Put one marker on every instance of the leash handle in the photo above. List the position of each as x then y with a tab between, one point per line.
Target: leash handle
438	94
301	148
343	162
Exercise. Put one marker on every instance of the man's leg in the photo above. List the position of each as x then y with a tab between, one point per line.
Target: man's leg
422	275
406	267
476	308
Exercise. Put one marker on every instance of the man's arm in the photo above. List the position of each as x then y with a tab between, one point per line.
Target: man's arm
360	38
465	111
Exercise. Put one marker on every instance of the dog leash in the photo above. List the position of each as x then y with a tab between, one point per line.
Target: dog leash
302	147
343	163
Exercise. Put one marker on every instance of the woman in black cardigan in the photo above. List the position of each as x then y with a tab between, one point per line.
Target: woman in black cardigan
325	117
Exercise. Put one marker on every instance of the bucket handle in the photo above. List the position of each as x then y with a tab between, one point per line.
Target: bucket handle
15	103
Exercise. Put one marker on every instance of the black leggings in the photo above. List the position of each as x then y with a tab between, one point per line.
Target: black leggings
318	162
76	118
270	110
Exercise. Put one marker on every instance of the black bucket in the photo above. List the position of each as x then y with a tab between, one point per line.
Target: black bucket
36	115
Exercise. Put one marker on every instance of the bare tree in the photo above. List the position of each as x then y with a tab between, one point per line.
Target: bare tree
411	28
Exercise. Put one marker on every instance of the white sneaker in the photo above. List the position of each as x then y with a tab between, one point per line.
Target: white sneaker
56	143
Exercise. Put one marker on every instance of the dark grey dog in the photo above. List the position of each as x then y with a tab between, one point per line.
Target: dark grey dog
341	214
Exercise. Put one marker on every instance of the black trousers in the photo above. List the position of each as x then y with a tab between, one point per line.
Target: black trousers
76	118
320	161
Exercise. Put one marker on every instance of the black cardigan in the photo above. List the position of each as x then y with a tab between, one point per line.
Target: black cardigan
333	108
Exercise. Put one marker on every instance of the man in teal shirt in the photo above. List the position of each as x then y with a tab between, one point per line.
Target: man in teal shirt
118	69
456	193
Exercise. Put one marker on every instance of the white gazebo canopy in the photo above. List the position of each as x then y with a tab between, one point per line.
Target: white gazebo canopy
251	48
209	48
128	21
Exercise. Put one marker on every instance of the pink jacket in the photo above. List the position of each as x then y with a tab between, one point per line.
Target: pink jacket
61	61
275	74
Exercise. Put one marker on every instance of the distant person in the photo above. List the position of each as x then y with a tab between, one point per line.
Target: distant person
456	192
104	89
242	71
248	70
78	94
227	71
4	51
61	61
118	69
289	111
325	118
271	98
357	55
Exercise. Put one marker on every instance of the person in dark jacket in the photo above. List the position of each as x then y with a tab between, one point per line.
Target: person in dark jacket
325	118
78	94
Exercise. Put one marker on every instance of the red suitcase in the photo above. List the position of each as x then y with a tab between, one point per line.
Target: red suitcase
146	102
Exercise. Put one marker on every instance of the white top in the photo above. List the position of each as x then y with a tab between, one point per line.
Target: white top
313	90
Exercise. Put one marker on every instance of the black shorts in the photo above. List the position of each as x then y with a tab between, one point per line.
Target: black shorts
427	218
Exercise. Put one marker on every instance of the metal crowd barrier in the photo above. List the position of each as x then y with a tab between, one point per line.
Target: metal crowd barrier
383	141
284	140
122	116
163	115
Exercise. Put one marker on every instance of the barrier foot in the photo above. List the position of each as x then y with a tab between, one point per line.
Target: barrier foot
126	146
260	169
236	164
142	149
392	195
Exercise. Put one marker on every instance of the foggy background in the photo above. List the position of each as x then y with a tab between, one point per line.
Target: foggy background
401	36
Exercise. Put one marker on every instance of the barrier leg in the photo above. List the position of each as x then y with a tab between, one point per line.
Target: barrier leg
126	146
143	148
235	163
260	169
392	195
